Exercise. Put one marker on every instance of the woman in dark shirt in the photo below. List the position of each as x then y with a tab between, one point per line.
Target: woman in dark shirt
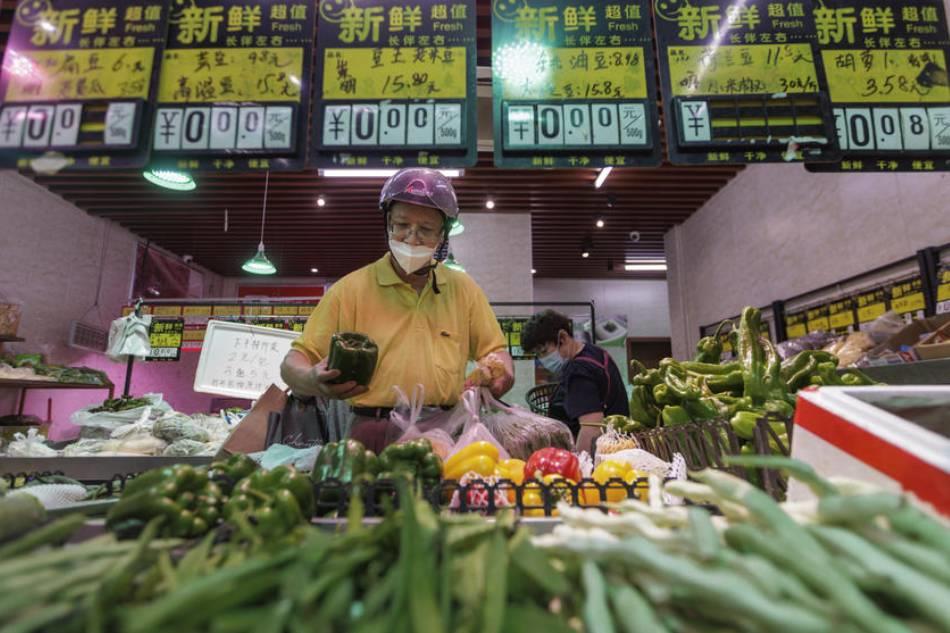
590	386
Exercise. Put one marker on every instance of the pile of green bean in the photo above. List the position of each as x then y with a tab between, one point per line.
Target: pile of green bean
854	561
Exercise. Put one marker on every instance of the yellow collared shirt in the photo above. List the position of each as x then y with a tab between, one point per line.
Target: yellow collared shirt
423	338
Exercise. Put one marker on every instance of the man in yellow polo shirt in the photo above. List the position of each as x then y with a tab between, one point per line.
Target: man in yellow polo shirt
427	320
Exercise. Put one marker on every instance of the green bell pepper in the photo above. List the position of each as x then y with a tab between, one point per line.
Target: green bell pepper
675	416
414	459
354	356
709	348
744	422
274	502
701	409
229	472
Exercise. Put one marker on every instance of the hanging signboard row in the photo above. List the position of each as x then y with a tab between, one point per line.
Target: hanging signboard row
242	85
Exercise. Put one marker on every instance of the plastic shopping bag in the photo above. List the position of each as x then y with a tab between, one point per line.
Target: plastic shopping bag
472	428
101	424
411	420
520	431
128	336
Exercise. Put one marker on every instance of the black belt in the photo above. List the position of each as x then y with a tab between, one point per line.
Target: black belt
383	412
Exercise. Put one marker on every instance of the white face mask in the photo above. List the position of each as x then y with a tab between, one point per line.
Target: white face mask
411	258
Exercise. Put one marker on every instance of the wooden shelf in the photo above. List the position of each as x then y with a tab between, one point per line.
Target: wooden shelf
6	338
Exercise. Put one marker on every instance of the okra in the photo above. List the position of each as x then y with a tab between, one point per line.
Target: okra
634	613
596	611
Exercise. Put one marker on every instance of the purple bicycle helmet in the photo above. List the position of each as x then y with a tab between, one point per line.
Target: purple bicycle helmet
421	186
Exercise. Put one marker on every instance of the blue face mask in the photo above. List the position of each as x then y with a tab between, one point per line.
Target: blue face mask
553	362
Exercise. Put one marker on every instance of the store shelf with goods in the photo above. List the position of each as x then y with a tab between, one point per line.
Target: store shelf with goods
91	469
26	385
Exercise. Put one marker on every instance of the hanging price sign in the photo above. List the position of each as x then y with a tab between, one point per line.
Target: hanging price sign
78	80
572	84
943	290
234	93
397	84
908	297
166	337
816	319
841	315
872	304
886	64
795	325
740	82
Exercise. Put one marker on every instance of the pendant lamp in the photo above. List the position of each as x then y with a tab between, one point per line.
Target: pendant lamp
259	264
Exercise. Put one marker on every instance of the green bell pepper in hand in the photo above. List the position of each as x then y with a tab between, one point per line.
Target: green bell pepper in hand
354	356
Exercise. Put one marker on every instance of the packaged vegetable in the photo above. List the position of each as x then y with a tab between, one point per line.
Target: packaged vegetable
411	420
521	432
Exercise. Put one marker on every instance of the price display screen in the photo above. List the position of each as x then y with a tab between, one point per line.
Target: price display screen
572	84
397	84
166	336
78	80
234	92
886	64
742	82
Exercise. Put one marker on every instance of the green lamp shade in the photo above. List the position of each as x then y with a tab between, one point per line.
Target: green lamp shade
259	264
450	262
457	228
170	179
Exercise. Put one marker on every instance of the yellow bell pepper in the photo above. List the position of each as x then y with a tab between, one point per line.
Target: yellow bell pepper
480	464
631	477
533	501
474	449
512	469
606	471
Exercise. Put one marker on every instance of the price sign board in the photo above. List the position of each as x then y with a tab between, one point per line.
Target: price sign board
397	84
816	319
943	290
872	304
907	297
78	80
740	82
795	325
234	93
166	336
512	327
572	84
886	64
841	315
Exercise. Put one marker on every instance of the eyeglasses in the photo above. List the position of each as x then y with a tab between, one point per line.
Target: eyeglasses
403	230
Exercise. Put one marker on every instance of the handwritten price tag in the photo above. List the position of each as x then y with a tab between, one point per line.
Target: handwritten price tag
728	70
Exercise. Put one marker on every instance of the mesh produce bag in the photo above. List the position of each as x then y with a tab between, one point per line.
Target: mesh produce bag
521	432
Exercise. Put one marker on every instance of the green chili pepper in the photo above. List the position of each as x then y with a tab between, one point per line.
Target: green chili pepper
642	409
710	369
354	355
733	381
675	416
856	377
779	407
701	409
752	356
743	423
679	386
651	378
709	348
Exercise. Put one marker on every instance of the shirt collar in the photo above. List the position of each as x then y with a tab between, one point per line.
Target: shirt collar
386	275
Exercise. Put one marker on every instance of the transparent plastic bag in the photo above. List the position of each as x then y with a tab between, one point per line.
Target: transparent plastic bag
108	421
30	445
128	336
411	420
520	431
473	430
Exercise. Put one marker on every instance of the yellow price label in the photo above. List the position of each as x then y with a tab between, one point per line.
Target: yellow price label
819	325
206	75
285	311
196	311
63	75
908	303
194	335
165	339
167	311
601	73
395	73
258	310
734	70
943	292
886	76
871	312
841	320
796	331
227	310
306	310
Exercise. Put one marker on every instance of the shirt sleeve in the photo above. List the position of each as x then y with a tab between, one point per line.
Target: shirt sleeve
323	322
582	397
485	333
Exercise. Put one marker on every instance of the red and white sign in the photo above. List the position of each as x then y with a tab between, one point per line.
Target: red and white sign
842	433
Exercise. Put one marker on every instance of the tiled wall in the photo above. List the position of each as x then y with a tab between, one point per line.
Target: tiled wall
777	231
50	254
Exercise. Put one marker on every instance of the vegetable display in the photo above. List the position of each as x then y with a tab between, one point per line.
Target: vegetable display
354	356
415	459
122	403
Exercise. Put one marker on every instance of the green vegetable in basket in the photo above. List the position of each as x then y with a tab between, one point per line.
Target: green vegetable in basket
273	501
752	356
354	356
709	348
643	410
414	458
675	416
228	472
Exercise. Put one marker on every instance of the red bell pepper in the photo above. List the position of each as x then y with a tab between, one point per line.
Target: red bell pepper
552	461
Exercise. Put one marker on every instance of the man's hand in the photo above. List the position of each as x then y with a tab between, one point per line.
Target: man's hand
496	372
305	379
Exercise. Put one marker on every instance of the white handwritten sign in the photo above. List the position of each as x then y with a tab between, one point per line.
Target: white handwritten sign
240	360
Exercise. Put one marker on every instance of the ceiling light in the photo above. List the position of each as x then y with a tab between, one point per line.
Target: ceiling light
457	228
599	223
643	268
321	201
170	179
259	264
585	254
453	264
379	173
534	271
489	204
314	270
602	176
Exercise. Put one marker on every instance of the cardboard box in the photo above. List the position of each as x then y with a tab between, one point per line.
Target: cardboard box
250	434
909	337
936	345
